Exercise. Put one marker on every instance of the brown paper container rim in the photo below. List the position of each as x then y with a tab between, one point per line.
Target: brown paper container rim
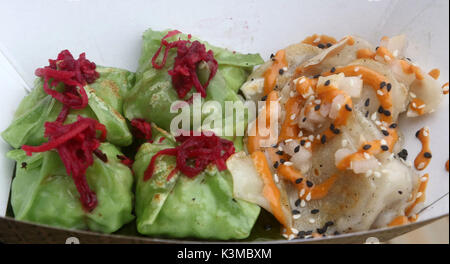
14	231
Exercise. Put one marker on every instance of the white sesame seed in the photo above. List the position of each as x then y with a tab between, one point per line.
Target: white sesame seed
302	192
318	101
296	216
377	174
302	203
285	68
308	197
276	178
421	165
384	171
423	179
311	138
288	163
378	123
419	194
291	236
366	155
312	221
318	137
302	80
421	106
280	148
317	40
395	53
308	145
426	131
344	142
413	95
339	106
369	173
295	231
291	93
379	92
383	142
387	58
414	105
356	69
293	116
285	236
374	116
288	140
300	134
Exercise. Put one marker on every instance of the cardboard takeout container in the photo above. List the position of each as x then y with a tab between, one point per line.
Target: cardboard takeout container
110	33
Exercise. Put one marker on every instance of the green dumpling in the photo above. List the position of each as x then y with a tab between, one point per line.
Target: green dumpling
200	207
42	192
105	105
153	94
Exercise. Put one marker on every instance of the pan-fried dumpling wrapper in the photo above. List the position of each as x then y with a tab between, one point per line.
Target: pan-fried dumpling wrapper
182	207
105	105
296	54
42	192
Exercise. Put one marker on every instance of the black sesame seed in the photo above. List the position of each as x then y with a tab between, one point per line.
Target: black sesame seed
272	55
329	223
382	85
308	233
427	155
316	76
389	87
403	154
315	211
367	114
321	46
264	98
333	69
281	71
302	142
282	161
327	82
309	184
24	165
384	148
393	126
367	147
323	139
295	212
299	180
298	202
380	109
336	131
276	164
280	152
317	108
234	200
400	192
329	45
321	231
297	149
367	102
417	133
304	119
336	233
348	108
377	48
385	133
387	113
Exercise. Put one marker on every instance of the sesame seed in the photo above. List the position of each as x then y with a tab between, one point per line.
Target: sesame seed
308	145
384	148
295	212
421	165
348	108
329	45
312	221
424	179
344	143
389	87
323	139
293	116
367	102
302	80
303	203
356	69
379	92
316	76
264	98
309	184
276	178
308	197
327	82
333	69
288	163
315	211
276	164
304	119
419	194
288	140
393	126
421	106
427	155
366	155
281	71
297	216
300	134
302	192
403	154
297	202
317	107
387	113
299	180
367	114
318	101
282	161
321	46
387	58
369	173
383	142
311	138
413	95
382	85
329	223
374	116
297	149
377	174
367	147
378	123
280	152
385	133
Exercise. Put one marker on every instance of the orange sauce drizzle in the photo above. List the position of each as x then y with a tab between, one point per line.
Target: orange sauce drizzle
270	190
422	161
318	40
385	54
365	54
435	73
418	106
289	128
398	221
253	143
445	88
411	69
446	165
419	199
272	73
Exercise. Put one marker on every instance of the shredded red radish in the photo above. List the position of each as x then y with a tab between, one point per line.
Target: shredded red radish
74	74
194	154
184	72
75	144
142	129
